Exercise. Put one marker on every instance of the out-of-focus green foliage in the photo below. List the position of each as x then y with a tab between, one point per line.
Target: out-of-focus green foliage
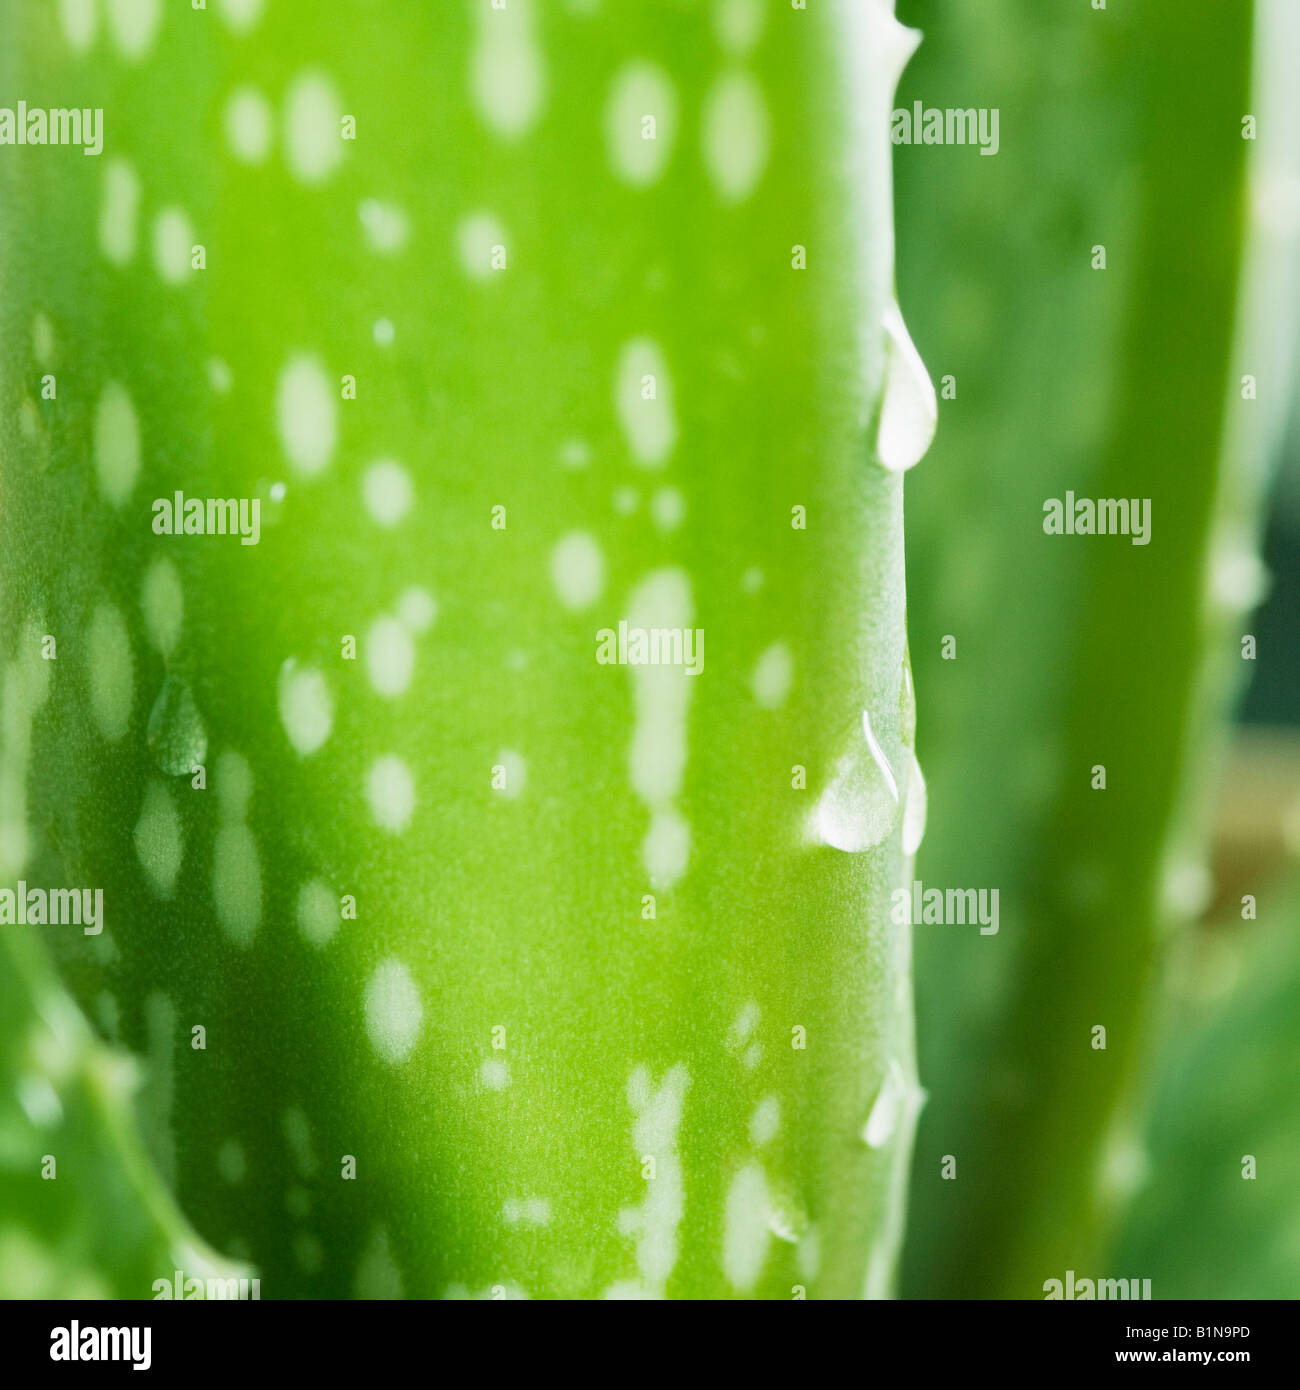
82	1212
1120	129
1207	1222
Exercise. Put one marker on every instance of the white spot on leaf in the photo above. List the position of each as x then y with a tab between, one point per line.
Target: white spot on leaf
249	123
386	226
172	239
578	570
237	882
735	135
79	20
305	414
112	672
162	601
388	491
390	656
158	839
747	1228
507	81
773	676
313	133
318	912
640	123
116	443
390	790
306	706
643	399
417	609
477	238
133	24
119	211
393	1010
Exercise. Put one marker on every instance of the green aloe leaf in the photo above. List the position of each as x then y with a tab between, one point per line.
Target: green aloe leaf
82	1212
1217	1207
517	973
1074	652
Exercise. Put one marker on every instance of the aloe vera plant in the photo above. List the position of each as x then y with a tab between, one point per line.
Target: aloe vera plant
1225	1119
82	1211
1165	380
463	961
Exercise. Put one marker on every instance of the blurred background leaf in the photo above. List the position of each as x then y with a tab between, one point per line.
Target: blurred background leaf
83	1214
1225	1088
1120	128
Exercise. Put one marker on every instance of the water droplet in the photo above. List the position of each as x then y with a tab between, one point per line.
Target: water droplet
177	738
861	805
910	410
907	705
914	811
883	1120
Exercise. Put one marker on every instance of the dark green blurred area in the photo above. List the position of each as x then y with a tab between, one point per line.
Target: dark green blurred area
1273	696
1120	128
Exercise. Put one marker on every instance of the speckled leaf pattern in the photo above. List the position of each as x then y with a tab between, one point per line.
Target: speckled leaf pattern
519	973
